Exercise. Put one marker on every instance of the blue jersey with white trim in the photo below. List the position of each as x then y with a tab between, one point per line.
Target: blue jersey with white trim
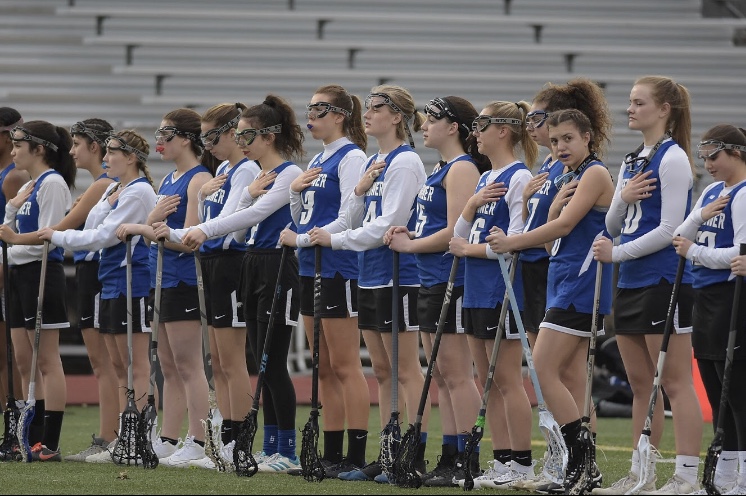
213	205
376	265
112	269
320	206
484	286
177	266
432	217
27	218
572	269
266	234
642	217
715	233
538	207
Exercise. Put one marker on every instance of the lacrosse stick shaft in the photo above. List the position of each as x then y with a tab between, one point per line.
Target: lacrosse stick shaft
316	327
28	412
732	335
664	345
395	336
155	323
592	343
8	342
130	373
436	342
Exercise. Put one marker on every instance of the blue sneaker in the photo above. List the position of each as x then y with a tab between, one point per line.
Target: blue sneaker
382	478
367	473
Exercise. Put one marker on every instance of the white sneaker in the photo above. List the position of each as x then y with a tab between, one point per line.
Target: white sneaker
278	464
623	486
188	452
737	489
103	456
506	480
676	485
496	469
260	456
203	463
164	449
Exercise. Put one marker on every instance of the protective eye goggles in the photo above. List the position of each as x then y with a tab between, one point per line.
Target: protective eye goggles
167	133
483	121
117	144
438	108
709	149
320	109
212	137
386	101
535	119
26	136
95	134
247	136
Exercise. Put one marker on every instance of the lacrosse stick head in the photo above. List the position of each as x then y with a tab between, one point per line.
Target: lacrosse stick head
125	449
556	461
147	431
579	481
406	474
310	458
246	465
472	441
390	441
9	449
711	462
648	454
24	423
212	436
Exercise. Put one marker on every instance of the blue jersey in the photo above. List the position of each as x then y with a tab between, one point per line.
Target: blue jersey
377	264
538	207
177	266
432	216
320	206
213	205
484	286
112	269
715	233
27	218
89	256
266	234
572	269
642	217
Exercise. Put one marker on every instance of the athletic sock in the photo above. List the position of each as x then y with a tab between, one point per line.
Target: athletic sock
333	445
686	468
356	443
52	429
236	429
286	443
226	429
502	455
269	446
522	460
36	428
726	470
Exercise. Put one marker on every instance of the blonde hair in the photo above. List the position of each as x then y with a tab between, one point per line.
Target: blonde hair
519	133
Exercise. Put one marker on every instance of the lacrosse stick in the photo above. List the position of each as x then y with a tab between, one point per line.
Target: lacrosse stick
11	414
406	457
556	461
583	476
644	448
27	414
149	414
125	448
212	449
477	432
243	458
716	446
309	452
391	433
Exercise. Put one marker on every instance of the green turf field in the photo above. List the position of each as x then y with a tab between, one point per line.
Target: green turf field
86	478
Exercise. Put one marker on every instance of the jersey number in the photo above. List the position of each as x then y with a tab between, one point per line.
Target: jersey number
308	199
632	219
